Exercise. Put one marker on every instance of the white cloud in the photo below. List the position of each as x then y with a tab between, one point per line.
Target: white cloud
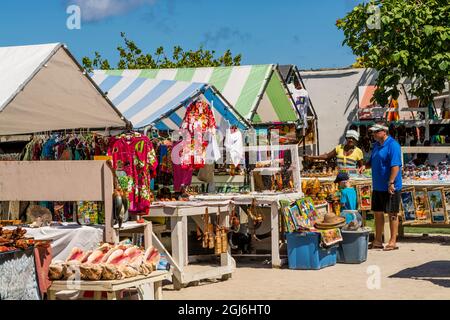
96	10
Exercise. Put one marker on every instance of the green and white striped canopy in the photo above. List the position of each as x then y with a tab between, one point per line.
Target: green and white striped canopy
257	92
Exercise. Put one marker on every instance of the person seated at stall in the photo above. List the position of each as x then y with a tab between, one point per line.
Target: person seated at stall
348	193
349	156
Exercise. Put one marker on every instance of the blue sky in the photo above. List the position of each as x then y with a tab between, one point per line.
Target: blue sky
271	31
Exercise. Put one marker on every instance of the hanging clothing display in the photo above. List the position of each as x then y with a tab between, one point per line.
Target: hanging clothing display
67	146
234	146
301	100
198	122
164	174
212	150
134	160
182	174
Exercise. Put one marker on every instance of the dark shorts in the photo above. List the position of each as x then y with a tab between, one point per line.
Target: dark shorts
383	201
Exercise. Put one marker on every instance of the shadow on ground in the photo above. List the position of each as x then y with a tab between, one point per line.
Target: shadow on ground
433	271
440	239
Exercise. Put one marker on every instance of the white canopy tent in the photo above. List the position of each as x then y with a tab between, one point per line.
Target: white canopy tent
43	88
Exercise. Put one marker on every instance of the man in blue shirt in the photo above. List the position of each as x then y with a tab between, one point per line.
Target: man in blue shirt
386	163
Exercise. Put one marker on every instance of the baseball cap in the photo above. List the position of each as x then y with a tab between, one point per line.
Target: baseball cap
342	176
378	127
352	134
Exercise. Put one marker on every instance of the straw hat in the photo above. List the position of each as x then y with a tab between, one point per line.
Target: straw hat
330	221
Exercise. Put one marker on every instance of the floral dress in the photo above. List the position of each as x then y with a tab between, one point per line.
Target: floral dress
134	160
198	121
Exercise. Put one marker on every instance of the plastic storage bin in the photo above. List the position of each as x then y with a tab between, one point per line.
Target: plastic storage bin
354	247
305	253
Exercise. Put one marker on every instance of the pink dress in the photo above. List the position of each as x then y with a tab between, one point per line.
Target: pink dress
134	160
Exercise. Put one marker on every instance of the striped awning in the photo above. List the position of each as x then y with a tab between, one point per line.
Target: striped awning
257	92
160	103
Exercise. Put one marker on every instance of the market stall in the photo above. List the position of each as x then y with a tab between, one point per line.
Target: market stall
257	92
163	109
425	195
49	96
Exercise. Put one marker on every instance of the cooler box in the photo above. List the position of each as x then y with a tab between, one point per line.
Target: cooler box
305	253
354	247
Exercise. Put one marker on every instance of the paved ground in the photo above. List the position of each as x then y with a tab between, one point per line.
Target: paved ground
420	269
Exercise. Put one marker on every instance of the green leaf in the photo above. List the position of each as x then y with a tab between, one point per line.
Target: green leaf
428	30
444	65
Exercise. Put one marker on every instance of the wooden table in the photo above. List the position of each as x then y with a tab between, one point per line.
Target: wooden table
183	273
149	287
272	200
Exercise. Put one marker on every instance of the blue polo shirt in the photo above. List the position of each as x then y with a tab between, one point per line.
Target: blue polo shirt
383	158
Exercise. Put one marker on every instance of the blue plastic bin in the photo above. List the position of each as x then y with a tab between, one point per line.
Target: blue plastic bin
305	253
354	247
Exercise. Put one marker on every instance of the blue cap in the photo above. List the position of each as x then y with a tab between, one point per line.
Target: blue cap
342	176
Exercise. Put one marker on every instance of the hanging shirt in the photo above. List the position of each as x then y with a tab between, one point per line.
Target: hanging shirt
212	150
234	146
301	100
134	160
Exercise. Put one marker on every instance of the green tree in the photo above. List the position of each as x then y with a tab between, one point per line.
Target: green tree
132	57
402	39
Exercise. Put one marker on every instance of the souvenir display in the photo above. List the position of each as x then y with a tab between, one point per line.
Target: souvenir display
437	205
447	202
90	212
289	225
330	237
307	209
70	146
426	173
318	168
14	239
214	235
364	196
134	162
285	134
107	262
318	191
408	204
422	204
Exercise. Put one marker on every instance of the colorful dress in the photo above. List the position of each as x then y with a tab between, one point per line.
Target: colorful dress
134	160
198	121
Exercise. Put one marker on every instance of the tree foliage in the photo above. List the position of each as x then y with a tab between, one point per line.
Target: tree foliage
132	57
411	40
